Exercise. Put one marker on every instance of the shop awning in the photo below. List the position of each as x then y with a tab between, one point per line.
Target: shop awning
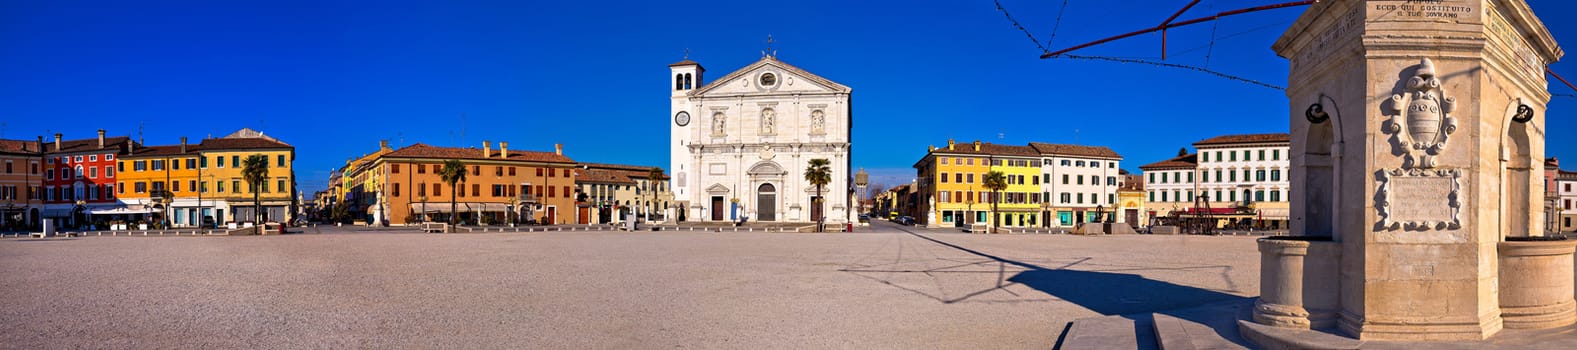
436	207
124	211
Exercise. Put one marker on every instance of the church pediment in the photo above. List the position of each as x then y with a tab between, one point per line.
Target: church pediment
717	189
767	76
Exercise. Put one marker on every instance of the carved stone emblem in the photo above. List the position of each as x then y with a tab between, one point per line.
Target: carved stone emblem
1424	112
1419	199
766	153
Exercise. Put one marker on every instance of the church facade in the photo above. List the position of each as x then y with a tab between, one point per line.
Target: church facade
741	144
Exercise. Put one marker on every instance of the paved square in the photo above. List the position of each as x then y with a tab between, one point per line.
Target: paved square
891	289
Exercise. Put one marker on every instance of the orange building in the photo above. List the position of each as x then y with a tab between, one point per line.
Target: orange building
20	181
501	185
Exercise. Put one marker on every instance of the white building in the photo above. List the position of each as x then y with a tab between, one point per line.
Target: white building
741	144
1169	185
1566	189
1247	171
1077	181
1243	180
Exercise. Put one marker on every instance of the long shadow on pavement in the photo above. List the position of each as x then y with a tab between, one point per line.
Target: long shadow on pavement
1128	295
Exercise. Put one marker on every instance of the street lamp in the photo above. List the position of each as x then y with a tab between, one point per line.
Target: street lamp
81	205
424	205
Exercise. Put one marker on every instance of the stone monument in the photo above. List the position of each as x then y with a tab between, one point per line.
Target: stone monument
1417	150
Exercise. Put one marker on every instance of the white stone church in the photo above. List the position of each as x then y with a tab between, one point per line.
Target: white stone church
741	144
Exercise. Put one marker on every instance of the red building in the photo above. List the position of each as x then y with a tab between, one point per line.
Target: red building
79	176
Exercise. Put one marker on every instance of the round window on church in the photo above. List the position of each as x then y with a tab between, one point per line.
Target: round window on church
769	79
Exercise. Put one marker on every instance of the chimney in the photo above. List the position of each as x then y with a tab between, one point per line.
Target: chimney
950	144
503	149
977	145
57	142
101	138
558	148
183	144
487	149
383	144
40	144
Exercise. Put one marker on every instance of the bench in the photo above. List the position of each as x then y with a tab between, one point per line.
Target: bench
979	228
435	227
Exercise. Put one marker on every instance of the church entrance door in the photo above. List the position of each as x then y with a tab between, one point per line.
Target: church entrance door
815	209
717	208
766	203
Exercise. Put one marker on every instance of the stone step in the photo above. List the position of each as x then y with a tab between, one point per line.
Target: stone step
1108	332
1211	326
1208	326
1268	337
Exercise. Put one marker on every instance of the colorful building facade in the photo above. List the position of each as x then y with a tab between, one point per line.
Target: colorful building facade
501	186
20	179
80	177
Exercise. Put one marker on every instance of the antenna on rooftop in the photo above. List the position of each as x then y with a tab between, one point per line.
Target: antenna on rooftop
139	132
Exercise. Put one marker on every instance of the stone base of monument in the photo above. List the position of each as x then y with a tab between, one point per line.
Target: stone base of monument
1535	292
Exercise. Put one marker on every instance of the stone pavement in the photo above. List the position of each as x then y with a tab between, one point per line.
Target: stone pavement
883	288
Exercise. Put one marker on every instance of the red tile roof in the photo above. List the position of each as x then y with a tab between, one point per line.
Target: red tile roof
152	151
113	144
20	147
603	176
1188	161
1246	138
426	151
241	143
991	149
1074	150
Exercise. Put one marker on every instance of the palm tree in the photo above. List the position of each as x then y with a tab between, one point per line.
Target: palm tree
651	177
996	182
819	174
452	173
254	169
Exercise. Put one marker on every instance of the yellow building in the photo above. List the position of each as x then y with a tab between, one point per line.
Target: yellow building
224	159
1019	204
952	193
360	185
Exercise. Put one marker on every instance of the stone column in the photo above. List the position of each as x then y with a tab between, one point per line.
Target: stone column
1281	283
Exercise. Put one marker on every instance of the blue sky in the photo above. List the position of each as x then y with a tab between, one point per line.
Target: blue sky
335	77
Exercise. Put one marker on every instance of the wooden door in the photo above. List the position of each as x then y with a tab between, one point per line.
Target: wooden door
717	208
585	215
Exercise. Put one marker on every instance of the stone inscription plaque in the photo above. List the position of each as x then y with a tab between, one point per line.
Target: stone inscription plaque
1423	9
1420	199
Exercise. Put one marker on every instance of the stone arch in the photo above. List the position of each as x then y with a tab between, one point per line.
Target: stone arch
1517	173
765	168
1315	189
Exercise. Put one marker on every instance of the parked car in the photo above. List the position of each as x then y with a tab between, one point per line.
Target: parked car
904	220
208	222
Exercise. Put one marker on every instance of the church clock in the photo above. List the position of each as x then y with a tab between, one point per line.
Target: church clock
683	118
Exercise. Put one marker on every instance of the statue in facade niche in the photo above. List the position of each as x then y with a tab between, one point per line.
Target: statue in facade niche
768	117
1424	111
818	122
717	124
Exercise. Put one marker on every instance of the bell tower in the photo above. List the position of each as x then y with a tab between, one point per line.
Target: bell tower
684	78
